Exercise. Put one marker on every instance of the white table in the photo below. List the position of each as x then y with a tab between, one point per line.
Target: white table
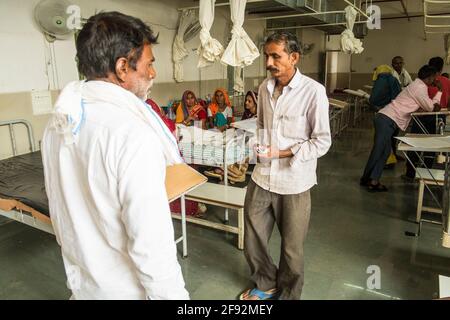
446	194
222	196
416	118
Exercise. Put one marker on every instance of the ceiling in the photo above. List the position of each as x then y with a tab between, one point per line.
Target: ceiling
279	13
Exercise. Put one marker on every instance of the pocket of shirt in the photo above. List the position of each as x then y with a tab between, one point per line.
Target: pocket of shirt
295	127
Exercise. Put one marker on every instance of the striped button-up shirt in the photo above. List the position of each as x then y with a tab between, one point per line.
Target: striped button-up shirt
297	120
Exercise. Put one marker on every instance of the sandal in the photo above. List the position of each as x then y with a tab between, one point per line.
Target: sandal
377	187
213	174
238	179
255	294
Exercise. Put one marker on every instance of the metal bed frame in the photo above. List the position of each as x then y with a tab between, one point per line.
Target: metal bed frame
20	215
339	116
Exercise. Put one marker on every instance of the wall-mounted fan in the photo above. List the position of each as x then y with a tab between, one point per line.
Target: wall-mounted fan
52	17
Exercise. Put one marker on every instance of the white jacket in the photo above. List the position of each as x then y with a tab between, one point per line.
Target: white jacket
105	153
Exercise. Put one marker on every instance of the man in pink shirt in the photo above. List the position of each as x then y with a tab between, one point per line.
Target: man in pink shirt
397	114
429	122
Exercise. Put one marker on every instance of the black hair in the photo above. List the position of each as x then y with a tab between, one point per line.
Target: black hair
290	41
397	57
426	71
107	37
445	74
437	63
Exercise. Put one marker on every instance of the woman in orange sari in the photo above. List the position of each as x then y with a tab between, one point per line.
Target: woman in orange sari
190	110
220	112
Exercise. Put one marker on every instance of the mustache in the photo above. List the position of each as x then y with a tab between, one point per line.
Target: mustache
272	69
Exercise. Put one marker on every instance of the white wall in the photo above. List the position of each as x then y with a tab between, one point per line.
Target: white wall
398	37
311	63
24	50
23	65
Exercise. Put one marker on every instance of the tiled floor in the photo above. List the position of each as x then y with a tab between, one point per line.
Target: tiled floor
350	230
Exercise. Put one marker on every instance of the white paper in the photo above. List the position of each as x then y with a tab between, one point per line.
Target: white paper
355	93
444	287
427	142
248	125
41	101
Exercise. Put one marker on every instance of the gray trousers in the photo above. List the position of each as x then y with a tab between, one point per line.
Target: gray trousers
291	213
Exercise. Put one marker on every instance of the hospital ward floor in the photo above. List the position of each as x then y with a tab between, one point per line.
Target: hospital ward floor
350	230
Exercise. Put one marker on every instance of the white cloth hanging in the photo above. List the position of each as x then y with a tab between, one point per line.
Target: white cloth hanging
238	80
210	49
447	48
241	51
349	44
179	51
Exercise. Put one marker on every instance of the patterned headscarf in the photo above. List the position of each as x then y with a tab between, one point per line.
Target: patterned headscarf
247	114
214	106
184	102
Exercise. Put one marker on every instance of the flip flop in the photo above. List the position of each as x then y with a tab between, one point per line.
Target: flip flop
258	294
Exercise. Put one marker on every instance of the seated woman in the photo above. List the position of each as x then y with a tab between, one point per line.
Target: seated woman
251	101
190	111
237	171
220	113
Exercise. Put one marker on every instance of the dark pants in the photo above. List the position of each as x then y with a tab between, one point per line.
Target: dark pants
429	122
385	129
291	214
395	141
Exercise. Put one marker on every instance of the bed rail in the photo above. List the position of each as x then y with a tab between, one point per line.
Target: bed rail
10	124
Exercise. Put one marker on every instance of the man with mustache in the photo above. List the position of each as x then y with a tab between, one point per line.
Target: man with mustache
105	153
293	131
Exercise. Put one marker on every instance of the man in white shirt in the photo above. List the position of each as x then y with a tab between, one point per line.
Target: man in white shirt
105	153
293	131
400	72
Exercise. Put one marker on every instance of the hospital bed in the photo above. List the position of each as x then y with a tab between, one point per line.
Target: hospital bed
22	189
358	100
22	193
216	149
339	116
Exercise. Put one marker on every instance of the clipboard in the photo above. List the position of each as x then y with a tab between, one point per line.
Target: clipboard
181	179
